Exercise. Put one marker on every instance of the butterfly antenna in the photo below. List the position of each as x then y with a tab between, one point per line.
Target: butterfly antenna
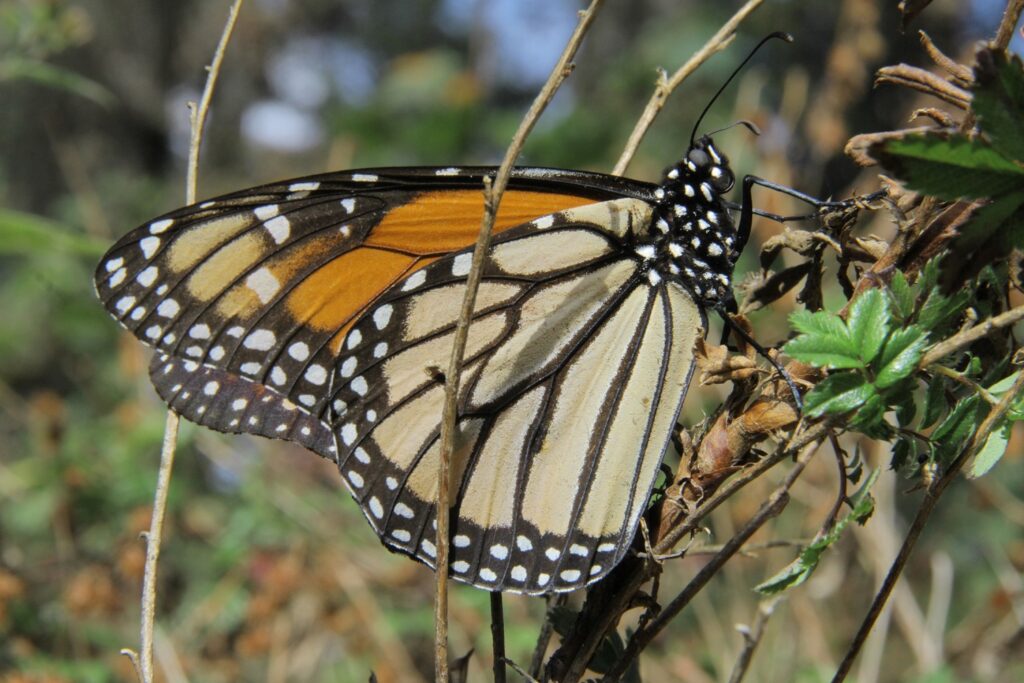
778	34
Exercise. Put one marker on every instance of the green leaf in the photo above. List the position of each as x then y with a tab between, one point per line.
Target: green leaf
798	571
902	451
998	219
992	451
905	406
938	309
903	351
838	393
999	101
934	401
869	417
27	233
952	433
19	68
902	296
825	341
868	323
950	168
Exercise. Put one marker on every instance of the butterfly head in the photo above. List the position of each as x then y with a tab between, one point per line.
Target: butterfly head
695	238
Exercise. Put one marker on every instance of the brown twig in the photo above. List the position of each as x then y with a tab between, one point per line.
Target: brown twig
924	81
492	197
751	637
1011	17
931	499
498	636
143	660
666	85
969	336
769	509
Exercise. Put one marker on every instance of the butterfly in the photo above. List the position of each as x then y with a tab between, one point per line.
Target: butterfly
319	311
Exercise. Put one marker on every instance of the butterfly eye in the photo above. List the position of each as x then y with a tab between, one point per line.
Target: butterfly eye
722	178
699	157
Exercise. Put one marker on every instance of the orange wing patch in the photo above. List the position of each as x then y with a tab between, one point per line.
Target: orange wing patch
443	221
408	238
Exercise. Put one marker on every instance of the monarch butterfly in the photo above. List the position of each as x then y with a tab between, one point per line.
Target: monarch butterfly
314	311
317	311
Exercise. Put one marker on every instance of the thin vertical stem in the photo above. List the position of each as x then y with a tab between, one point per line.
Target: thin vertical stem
492	197
498	636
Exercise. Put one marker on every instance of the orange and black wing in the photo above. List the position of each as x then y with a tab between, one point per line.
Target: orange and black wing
249	297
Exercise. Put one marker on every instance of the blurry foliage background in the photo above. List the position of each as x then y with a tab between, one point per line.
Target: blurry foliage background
269	572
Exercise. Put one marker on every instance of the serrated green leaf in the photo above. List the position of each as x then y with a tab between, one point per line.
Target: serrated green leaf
838	393
868	323
902	451
905	406
899	359
999	101
824	352
950	168
939	309
869	417
995	220
929	274
825	340
999	389
952	433
934	401
902	296
820	323
992	452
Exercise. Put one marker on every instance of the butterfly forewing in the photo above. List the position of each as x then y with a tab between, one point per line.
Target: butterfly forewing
250	296
575	370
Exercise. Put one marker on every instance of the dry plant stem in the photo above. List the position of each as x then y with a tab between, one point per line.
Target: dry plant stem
931	499
924	81
665	86
199	112
770	508
143	661
492	197
544	637
751	638
1004	34
498	636
969	336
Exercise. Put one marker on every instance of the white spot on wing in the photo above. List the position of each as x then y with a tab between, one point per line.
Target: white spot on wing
349	434
488	575
168	308
382	316
266	212
263	283
211	388
348	204
570	575
446	171
278	376
147	276
460	566
279	228
414	280
461	541
499	551
118	277
364	177
518	573
124	304
113	264
316	374
523	543
149	245
260	340
200	331
401	535
157	227
461	264
376	508
359	385
299	351
306	186
403	510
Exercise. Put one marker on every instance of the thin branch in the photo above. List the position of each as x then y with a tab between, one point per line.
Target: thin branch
1004	34
498	636
492	197
666	85
769	509
931	499
143	660
555	601
969	336
751	637
198	113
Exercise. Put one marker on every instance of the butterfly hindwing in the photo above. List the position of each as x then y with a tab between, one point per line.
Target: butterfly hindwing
575	371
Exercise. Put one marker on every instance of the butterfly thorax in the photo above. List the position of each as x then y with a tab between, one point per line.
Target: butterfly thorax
692	239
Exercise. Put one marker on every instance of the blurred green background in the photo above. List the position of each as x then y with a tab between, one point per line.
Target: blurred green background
269	572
